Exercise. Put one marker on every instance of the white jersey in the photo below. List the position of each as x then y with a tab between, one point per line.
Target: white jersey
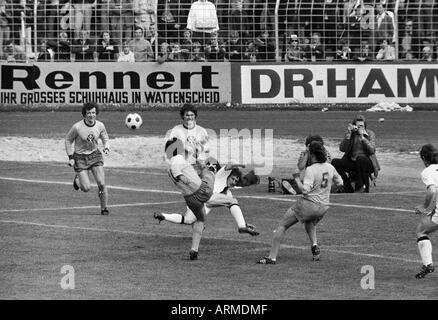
195	140
429	176
85	137
179	166
220	181
318	180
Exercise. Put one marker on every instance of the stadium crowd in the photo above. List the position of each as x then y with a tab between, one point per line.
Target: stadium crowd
218	30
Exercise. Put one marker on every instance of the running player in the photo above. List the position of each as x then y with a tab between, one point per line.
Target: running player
86	156
428	211
226	178
196	189
312	206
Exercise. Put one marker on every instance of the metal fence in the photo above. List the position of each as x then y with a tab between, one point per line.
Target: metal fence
218	30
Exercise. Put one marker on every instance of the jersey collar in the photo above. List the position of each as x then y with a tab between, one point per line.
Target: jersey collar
88	125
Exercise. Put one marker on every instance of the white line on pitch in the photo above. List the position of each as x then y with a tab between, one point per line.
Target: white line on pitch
58	226
138	204
240	196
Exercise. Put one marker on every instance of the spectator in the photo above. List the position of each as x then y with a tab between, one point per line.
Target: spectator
141	47
186	45
169	18
50	12
104	15
83	48
386	52
202	20
151	35
126	55
215	50
409	56
234	47
145	14
163	54
409	41
315	50
251	52
359	159
121	12
197	54
344	53
239	20
293	50
13	52
175	52
4	25
384	24
107	48
63	48
47	50
427	54
364	53
265	47
82	11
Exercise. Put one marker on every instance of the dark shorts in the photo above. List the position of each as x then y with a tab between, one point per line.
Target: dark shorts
196	200
87	161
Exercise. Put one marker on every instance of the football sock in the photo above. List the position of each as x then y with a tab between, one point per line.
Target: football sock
237	214
425	248
103	196
173	217
276	242
198	227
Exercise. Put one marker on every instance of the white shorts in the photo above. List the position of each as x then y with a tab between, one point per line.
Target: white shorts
306	210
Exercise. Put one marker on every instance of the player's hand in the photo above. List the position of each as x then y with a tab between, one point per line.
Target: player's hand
420	210
106	151
71	162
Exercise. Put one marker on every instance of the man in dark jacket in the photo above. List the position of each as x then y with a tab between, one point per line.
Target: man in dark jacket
359	147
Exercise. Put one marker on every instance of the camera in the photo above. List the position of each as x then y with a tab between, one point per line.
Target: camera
354	128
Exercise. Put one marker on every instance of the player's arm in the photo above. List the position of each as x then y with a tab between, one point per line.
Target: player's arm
232	166
69	140
430	195
302	161
105	139
305	186
368	142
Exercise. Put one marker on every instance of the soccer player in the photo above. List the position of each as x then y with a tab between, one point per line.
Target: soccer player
312	206
193	136
226	178
86	156
428	210
196	189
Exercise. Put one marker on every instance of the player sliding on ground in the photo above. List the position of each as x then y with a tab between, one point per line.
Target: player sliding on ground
311	207
196	190
86	156
428	211
226	178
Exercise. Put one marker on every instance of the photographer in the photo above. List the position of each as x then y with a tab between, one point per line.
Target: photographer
359	160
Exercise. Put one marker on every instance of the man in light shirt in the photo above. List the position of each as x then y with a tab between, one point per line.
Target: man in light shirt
312	206
81	145
196	189
202	21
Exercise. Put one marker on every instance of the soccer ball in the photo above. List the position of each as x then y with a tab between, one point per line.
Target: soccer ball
133	121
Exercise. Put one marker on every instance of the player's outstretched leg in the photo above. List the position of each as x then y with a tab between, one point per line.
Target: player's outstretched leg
289	220
198	228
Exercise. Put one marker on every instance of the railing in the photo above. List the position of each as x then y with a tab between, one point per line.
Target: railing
220	30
